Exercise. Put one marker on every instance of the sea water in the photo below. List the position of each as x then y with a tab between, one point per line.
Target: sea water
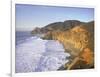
34	54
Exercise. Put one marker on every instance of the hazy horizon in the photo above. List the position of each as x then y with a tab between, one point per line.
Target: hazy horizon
31	16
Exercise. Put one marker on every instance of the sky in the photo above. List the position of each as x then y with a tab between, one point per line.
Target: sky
27	17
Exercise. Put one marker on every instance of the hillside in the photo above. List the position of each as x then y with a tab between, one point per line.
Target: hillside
62	26
77	38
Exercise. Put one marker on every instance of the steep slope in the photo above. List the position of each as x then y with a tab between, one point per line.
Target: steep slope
77	38
79	42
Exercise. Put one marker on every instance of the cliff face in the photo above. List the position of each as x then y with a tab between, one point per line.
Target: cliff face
78	40
74	40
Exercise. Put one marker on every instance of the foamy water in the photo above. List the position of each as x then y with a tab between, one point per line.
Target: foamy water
36	55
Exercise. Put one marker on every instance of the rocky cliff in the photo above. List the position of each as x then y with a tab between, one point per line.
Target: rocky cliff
77	38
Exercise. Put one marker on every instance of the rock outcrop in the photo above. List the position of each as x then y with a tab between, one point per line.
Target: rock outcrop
74	40
78	40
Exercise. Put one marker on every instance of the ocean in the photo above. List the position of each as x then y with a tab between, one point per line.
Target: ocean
21	36
34	54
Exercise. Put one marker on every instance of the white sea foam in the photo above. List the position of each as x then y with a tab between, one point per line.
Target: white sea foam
35	54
